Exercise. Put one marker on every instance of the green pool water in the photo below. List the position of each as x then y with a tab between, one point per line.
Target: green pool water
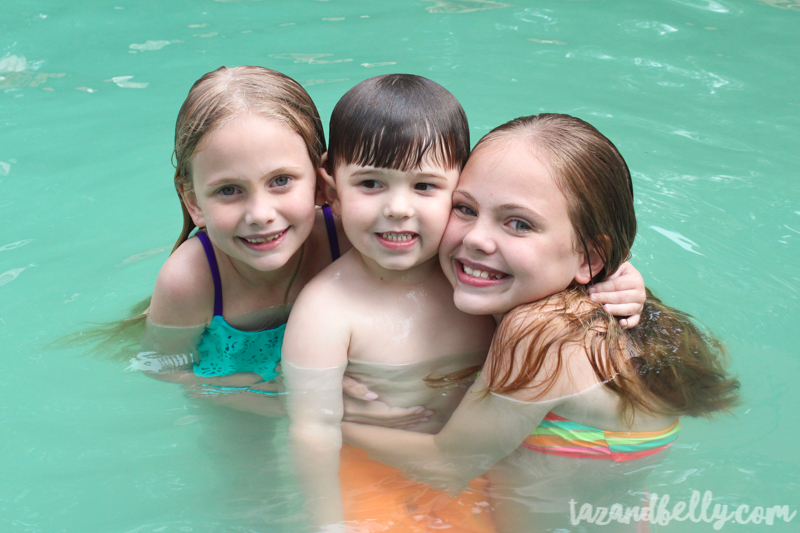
700	96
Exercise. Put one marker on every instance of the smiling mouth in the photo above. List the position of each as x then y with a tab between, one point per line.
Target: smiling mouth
398	237
263	240
481	274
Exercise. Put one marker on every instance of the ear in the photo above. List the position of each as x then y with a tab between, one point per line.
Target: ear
590	265
326	187
189	199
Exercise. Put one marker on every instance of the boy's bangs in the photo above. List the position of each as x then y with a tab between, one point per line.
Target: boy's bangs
404	146
398	121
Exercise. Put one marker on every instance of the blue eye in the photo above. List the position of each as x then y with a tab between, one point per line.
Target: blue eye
228	190
281	181
519	225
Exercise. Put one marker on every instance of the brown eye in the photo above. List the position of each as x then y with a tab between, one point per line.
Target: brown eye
465	210
370	184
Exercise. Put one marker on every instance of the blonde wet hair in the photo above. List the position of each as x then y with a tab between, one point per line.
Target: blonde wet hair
214	100
226	93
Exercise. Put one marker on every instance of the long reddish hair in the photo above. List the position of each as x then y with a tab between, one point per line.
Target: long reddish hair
665	365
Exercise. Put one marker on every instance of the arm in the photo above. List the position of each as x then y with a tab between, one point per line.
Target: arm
485	427
181	308
314	358
483	430
622	294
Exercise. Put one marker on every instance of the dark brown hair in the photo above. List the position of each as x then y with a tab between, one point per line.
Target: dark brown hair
395	121
666	365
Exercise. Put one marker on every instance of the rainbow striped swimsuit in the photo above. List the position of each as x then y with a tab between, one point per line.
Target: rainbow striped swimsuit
558	436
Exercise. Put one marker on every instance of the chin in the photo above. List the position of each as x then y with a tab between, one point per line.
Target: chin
472	305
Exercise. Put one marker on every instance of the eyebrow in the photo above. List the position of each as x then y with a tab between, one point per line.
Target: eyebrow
275	172
516	207
465	193
505	207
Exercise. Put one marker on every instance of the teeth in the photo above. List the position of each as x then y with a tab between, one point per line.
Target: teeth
398	236
261	240
479	273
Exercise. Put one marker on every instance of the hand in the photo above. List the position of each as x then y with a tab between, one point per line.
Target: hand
622	295
356	389
361	405
239	398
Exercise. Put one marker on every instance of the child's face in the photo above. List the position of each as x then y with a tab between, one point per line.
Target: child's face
396	218
253	189
509	240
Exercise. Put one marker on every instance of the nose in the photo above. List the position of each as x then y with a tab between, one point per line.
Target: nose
479	238
398	205
260	210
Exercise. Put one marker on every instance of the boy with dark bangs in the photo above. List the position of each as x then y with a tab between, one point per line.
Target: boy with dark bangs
384	312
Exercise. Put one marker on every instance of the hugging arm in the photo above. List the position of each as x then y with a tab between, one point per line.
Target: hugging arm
483	430
622	294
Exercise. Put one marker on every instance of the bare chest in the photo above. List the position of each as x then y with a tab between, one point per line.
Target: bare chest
415	328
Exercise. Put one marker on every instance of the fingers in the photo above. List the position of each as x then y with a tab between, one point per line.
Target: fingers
623	310
617	298
626	277
630	322
379	414
356	389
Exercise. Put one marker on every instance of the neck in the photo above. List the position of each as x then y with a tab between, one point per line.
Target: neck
278	280
410	276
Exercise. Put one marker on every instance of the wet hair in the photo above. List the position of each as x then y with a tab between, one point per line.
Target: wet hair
227	93
214	100
666	365
395	121
591	174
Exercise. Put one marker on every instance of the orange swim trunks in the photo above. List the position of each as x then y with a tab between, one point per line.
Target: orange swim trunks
377	498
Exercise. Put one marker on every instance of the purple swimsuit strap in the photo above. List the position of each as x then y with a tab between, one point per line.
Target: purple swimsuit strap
330	225
212	264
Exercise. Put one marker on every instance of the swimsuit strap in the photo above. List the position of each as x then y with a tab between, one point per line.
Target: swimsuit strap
333	240
212	264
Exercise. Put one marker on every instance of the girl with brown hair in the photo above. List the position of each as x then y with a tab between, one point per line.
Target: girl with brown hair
568	406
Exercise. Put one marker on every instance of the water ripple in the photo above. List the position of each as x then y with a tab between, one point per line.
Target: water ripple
464	6
677	238
705	5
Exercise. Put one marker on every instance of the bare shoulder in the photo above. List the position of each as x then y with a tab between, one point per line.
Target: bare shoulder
184	290
319	327
335	281
325	302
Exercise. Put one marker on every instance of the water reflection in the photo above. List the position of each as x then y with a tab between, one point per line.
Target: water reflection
464	6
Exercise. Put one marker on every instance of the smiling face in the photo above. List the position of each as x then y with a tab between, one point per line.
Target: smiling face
394	218
253	189
509	240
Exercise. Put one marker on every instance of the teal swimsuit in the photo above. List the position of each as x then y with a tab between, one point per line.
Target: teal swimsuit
226	350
